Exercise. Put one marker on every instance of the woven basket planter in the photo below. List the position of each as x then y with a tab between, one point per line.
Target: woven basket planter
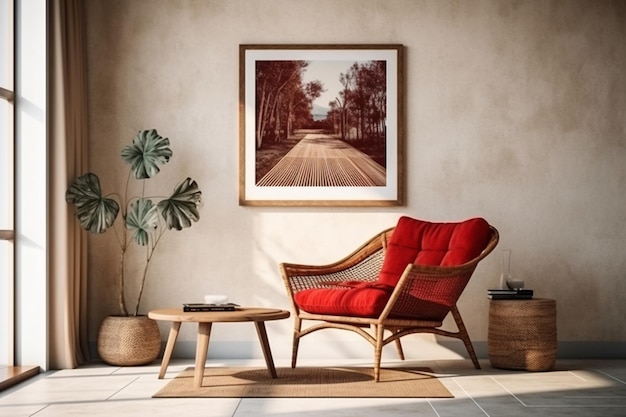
129	341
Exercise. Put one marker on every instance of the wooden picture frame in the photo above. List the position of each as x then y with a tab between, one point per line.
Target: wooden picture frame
321	125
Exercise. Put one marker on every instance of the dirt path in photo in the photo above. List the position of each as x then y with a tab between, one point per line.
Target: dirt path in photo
320	160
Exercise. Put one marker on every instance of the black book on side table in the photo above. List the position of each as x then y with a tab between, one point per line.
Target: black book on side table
502	294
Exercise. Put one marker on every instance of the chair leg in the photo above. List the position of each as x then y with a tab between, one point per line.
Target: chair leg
464	336
399	348
378	351
297	325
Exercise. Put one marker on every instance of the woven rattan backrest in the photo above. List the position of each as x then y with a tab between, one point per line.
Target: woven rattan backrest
366	270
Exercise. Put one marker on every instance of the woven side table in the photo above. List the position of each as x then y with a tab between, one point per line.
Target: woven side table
522	334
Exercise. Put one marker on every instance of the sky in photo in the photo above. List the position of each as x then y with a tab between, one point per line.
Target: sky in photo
328	73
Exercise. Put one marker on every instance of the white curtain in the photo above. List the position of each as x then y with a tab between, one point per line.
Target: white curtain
68	345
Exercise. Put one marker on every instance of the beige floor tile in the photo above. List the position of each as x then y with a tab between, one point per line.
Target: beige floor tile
335	407
574	389
147	407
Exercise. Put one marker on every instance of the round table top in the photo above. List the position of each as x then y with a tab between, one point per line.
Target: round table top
238	315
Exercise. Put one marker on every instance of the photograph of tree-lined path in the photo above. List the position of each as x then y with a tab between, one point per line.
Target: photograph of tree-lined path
329	131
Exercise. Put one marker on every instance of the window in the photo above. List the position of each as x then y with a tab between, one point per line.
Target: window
7	136
23	178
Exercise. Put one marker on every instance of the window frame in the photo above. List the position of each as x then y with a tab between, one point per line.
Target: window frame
7	231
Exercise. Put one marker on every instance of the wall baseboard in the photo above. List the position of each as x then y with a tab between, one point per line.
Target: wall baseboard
565	350
428	351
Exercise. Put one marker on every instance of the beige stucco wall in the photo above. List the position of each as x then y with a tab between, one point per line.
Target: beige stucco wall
516	112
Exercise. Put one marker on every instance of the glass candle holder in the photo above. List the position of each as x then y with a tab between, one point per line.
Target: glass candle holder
507	280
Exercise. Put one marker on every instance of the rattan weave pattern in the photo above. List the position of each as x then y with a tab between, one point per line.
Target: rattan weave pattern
430	297
522	334
366	270
128	341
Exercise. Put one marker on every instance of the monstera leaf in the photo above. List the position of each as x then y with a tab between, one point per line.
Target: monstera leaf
148	151
95	212
181	208
141	219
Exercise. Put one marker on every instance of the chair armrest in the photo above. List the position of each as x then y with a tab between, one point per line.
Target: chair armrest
364	264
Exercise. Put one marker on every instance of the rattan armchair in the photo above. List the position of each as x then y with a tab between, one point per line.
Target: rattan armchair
418	303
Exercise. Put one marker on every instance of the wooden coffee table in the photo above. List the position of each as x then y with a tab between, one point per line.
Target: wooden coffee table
205	320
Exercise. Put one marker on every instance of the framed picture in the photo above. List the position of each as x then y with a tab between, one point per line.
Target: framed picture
321	125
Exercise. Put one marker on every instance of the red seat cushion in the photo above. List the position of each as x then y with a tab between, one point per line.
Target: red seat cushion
412	242
363	300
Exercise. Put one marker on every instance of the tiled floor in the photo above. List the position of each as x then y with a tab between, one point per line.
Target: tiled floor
574	388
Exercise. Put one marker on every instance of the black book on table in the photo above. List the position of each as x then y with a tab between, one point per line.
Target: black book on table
521	291
510	296
189	307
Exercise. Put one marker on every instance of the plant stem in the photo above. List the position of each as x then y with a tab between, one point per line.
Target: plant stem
124	246
156	238
122	302
143	281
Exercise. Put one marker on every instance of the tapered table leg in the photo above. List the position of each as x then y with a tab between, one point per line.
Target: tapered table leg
265	345
202	347
169	348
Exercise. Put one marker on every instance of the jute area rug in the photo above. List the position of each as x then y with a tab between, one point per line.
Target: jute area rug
307	382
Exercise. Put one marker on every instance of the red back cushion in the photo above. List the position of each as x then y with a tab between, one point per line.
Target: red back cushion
424	243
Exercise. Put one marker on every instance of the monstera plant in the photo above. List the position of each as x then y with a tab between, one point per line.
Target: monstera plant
138	219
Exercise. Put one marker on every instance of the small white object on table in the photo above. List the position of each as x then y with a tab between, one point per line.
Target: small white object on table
216	299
